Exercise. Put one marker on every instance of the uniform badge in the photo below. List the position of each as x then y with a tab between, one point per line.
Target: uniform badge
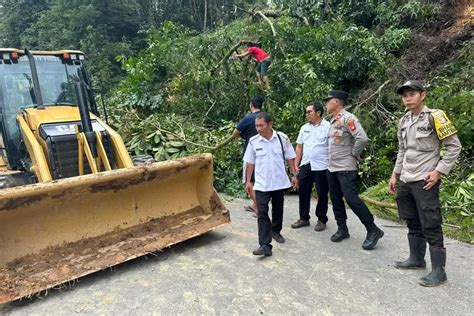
351	124
443	125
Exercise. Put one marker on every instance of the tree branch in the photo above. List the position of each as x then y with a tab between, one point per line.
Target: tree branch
241	42
379	89
268	20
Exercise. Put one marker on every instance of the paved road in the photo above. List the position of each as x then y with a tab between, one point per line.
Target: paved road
217	274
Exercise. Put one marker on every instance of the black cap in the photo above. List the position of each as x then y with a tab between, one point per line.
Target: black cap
338	94
411	84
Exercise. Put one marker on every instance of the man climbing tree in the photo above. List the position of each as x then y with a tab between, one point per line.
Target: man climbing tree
263	62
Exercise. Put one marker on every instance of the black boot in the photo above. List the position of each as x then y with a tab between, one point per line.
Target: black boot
342	232
416	260
437	276
373	235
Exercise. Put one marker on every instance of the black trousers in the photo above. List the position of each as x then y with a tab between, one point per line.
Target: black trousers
306	179
265	225
421	209
344	184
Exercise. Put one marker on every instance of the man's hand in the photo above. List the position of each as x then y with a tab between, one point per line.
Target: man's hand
294	181
392	184
248	187
358	158
431	179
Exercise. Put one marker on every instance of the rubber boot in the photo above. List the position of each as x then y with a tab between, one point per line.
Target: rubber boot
341	233
416	260
437	276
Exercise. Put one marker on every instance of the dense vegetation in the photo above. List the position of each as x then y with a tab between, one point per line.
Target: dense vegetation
182	95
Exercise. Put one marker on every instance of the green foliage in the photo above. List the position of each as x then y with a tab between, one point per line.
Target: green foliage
180	83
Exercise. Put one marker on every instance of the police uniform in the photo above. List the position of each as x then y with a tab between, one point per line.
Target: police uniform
419	142
313	168
271	180
347	140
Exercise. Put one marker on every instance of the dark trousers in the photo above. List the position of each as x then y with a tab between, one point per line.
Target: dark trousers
306	179
265	225
421	209
344	184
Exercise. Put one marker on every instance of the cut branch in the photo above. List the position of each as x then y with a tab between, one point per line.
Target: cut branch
233	49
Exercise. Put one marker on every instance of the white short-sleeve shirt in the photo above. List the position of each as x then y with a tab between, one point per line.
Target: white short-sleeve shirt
314	139
269	161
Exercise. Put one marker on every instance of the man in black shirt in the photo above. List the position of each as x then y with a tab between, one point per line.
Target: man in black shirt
246	130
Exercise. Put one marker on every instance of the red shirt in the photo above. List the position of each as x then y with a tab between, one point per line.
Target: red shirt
258	53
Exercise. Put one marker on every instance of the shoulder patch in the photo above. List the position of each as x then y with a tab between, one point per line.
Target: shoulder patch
352	124
443	126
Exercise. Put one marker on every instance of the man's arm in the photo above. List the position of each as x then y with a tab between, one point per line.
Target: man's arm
392	184
244	54
248	177
299	155
235	133
360	137
453	149
290	159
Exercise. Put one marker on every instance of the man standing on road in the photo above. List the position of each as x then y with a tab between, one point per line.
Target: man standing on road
312	159
347	140
266	154
246	130
421	133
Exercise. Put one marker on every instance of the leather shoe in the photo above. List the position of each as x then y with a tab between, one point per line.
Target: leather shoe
373	236
300	223
340	235
278	238
263	251
320	226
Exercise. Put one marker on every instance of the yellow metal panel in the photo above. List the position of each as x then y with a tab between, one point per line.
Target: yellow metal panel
40	164
121	154
54	232
51	114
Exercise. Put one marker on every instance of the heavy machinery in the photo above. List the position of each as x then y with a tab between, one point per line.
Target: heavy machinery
71	200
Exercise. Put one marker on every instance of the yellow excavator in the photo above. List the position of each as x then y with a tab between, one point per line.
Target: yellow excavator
72	202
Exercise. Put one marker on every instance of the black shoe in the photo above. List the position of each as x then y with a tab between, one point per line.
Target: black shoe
278	238
340	235
416	260
263	251
300	223
437	276
373	235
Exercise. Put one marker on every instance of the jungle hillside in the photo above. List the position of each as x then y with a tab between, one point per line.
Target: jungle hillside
165	75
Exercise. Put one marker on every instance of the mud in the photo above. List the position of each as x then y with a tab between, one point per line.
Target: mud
14	203
56	265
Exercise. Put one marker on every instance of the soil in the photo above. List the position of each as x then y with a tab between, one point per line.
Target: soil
439	41
56	265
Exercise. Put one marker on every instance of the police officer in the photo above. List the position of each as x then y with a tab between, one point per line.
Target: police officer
347	139
266	154
312	159
421	133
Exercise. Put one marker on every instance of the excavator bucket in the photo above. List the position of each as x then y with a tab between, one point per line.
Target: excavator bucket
55	232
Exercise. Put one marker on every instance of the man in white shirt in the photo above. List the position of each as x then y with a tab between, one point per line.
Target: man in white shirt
266	153
312	163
